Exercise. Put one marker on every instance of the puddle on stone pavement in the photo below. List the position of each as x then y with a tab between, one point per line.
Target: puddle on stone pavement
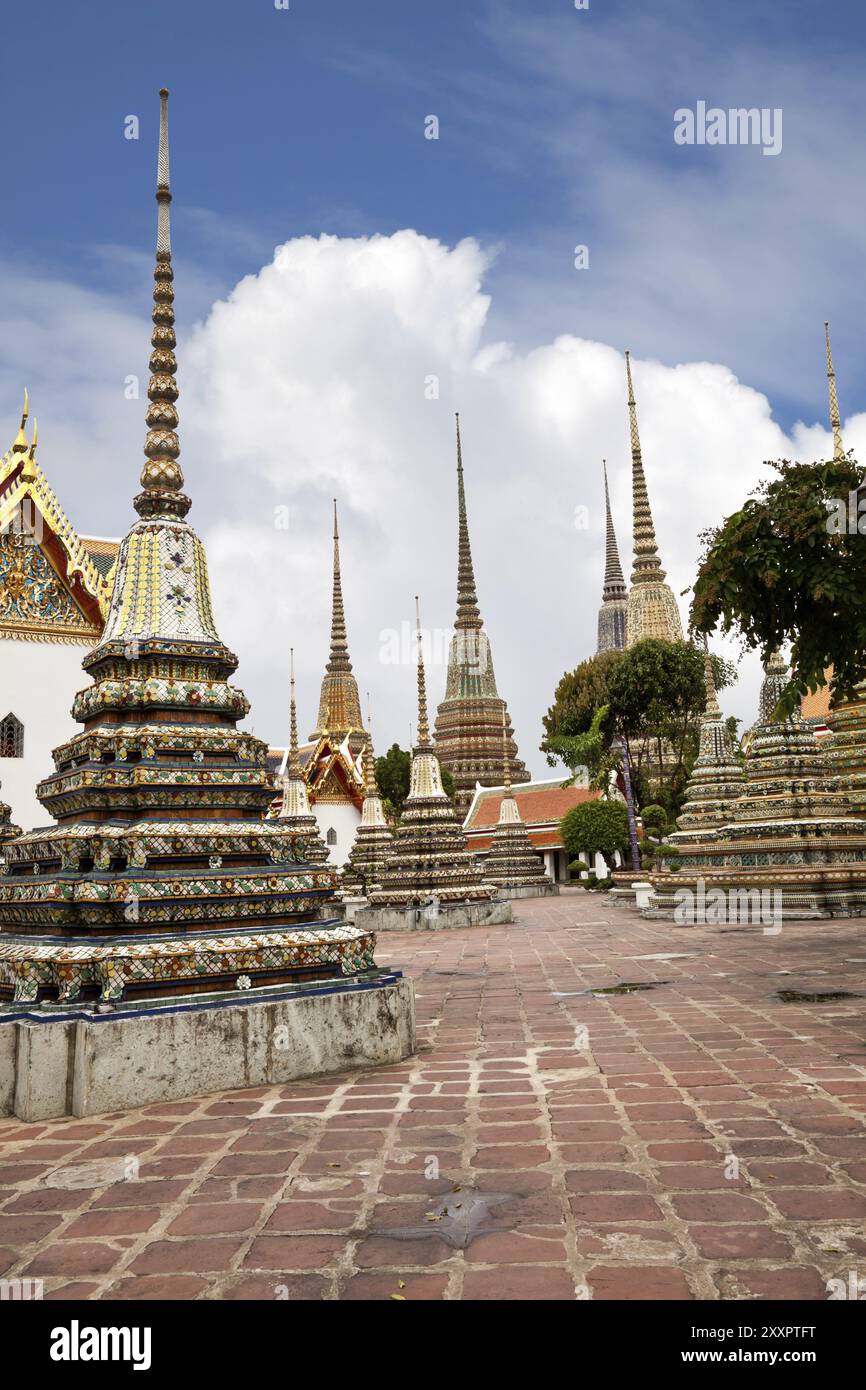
796	996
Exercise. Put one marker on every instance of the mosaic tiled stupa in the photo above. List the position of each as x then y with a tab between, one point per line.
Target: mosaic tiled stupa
716	781
295	816
373	839
429	858
160	876
652	609
468	731
792	829
511	862
614	601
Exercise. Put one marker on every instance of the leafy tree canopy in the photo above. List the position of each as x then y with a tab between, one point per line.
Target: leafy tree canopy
598	827
579	695
789	566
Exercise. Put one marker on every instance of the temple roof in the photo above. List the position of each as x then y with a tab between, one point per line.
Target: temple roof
538	803
85	566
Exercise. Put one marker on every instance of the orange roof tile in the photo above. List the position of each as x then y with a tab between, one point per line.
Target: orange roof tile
538	804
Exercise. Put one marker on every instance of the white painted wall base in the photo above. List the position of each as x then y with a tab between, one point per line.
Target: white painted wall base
90	1065
450	915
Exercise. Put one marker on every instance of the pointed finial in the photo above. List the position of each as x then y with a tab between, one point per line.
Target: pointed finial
423	729
339	659
835	421
647	565
21	445
505	754
711	708
468	613
35	437
161	477
614	583
294	767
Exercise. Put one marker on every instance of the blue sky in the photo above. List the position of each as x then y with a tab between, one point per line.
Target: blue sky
555	128
716	266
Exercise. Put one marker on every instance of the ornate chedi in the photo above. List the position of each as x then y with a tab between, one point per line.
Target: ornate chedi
294	814
339	703
716	781
511	862
652	608
791	833
373	839
429	858
614	601
846	750
160	876
467	736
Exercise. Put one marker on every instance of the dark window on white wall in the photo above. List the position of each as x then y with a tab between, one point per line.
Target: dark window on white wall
11	737
331	837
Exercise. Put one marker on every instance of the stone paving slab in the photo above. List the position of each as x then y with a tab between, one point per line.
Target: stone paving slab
701	1139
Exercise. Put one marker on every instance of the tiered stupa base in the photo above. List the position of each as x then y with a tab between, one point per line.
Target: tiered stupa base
76	1061
435	916
773	880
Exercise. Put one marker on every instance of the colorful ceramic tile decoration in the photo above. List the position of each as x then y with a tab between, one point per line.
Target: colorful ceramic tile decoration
429	857
161	875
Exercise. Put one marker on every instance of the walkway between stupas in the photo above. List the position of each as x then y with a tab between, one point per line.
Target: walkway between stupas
567	1162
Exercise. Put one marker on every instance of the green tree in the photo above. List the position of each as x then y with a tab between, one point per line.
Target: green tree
579	696
598	827
393	777
656	697
789	567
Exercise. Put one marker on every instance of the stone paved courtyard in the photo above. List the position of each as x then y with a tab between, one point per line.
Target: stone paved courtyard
545	1143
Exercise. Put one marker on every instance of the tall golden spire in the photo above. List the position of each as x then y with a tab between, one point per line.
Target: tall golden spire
339	701
835	421
21	443
468	614
423	739
339	643
647	565
161	477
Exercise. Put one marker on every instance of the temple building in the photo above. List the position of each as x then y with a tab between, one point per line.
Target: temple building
791	834
614	600
331	763
511	862
429	858
160	877
55	588
468	733
373	839
652	609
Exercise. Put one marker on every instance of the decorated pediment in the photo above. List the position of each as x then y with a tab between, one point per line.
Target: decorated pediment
54	585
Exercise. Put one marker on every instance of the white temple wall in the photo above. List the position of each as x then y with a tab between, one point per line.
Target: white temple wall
343	818
38	682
